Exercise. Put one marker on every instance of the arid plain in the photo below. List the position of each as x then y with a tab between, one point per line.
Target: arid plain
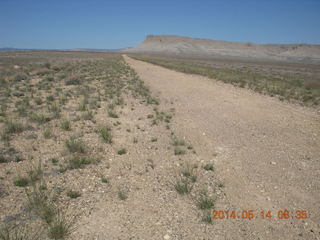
142	145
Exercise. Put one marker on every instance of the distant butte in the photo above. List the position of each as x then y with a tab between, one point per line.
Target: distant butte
197	47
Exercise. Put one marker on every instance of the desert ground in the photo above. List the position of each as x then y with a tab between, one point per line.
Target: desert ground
266	152
105	146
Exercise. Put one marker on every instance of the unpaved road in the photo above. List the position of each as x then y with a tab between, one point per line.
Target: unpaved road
266	152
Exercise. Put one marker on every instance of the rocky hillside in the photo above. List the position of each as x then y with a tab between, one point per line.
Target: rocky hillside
176	45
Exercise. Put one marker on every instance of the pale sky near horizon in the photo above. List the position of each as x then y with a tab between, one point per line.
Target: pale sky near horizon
114	24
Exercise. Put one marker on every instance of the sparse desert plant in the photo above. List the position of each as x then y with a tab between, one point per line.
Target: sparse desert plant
78	162
18	158
54	161
39	118
19	232
83	105
38	101
152	100
204	201
42	71
208	167
50	98
47	133
63	100
104	180
183	186
111	106
3	109
56	110
93	104
105	133
42	203
20	77
49	79
207	217
186	181
178	142
47	65
88	115
122	151
179	151
73	81
73	194
5	136
117	123
151	163
35	173
119	101
75	146
39	201
189	172
122	194
66	125
12	127
60	228
62	169
113	114
3	159
22	105
21	181
43	187
3	82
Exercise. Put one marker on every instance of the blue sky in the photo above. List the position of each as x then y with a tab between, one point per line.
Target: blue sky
110	24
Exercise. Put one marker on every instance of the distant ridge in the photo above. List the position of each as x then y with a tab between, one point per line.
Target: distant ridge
97	50
187	46
7	49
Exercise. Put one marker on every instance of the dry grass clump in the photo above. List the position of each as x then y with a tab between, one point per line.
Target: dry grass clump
75	145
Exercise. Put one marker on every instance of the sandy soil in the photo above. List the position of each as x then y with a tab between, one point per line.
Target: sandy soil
266	154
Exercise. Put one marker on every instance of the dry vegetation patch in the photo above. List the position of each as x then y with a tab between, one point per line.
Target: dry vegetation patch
76	132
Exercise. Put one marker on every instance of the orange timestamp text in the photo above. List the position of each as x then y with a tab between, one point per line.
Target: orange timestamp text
259	214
